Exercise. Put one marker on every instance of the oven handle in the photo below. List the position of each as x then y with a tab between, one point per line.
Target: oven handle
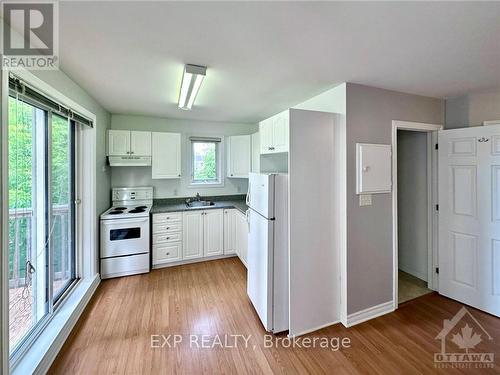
125	221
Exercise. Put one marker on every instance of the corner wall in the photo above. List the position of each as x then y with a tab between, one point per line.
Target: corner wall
472	109
370	112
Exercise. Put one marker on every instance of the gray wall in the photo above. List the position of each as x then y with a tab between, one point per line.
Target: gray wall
472	109
62	83
412	203
141	176
370	112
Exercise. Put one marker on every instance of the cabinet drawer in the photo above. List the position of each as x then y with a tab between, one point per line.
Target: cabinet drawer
167	237
168	217
167	253
168	227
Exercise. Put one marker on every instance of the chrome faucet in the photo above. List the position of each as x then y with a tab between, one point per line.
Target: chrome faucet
198	198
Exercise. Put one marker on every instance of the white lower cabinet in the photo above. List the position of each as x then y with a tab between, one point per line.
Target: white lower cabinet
183	236
193	234
213	233
241	236
230	231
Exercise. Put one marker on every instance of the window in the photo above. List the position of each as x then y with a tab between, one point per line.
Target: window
42	212
205	161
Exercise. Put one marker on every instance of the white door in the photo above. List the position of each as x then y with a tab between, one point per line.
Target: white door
469	216
259	265
266	136
118	142
192	234
166	155
213	232
280	132
256	152
230	231
260	195
140	143
239	156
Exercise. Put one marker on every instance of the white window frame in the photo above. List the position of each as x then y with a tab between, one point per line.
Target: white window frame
219	159
38	354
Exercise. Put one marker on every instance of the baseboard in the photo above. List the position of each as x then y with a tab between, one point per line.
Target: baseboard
418	275
369	313
55	347
191	261
314	329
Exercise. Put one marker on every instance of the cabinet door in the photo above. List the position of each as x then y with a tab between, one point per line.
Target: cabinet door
266	136
256	152
242	237
118	142
140	143
167	253
280	132
239	155
229	231
166	155
192	235
213	232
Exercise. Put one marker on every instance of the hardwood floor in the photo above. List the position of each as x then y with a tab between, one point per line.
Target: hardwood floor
113	335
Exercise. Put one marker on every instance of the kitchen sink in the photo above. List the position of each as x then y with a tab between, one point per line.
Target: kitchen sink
194	204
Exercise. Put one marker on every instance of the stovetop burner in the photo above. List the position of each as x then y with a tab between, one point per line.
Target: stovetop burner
136	210
116	212
141	207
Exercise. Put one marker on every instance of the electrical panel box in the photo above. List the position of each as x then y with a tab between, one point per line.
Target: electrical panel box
373	168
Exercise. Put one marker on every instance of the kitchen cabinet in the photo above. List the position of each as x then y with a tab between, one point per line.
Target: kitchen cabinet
203	233
241	236
230	231
193	234
167	238
166	155
256	152
239	156
213	232
274	134
126	142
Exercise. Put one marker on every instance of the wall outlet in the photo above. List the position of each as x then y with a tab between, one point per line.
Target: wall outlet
365	200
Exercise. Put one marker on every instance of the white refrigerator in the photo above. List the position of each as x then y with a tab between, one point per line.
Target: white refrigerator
267	277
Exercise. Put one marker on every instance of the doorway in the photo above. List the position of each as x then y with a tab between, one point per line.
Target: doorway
414	210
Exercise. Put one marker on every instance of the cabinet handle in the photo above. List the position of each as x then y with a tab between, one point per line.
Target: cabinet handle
131	152
168	228
231	174
168	253
179	175
168	238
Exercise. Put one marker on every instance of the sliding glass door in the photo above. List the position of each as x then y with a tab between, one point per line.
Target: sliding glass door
41	215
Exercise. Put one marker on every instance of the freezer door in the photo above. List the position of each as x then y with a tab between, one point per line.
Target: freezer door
260	266
261	194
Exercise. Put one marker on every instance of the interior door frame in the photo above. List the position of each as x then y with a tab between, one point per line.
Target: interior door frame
432	197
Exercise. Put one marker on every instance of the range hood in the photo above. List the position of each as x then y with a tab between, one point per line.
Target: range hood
129	161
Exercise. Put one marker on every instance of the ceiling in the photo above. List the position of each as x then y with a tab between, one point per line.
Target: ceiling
264	57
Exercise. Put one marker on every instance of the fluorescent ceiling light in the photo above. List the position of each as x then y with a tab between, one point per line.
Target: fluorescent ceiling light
191	82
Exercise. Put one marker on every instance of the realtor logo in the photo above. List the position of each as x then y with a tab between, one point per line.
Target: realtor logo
462	334
29	34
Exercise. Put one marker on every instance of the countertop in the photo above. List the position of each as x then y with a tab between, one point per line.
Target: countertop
178	204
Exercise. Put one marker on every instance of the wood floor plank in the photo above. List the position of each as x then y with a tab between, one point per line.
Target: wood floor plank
113	336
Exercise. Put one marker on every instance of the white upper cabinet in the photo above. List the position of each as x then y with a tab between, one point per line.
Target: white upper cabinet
140	143
126	142
166	155
239	156
274	134
119	142
256	152
213	232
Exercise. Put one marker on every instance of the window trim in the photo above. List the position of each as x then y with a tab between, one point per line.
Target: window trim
86	261
219	160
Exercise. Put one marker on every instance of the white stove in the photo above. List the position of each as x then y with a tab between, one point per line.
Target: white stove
125	246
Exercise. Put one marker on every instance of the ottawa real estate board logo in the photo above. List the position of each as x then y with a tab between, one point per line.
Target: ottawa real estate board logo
460	339
30	35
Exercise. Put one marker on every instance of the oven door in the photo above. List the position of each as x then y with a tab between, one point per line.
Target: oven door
124	237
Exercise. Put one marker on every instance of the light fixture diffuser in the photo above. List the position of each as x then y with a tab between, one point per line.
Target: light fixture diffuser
191	82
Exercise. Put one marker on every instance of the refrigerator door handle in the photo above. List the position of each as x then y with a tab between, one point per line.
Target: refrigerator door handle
248	195
247	216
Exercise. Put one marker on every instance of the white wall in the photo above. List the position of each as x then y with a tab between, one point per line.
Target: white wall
412	203
472	109
141	176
